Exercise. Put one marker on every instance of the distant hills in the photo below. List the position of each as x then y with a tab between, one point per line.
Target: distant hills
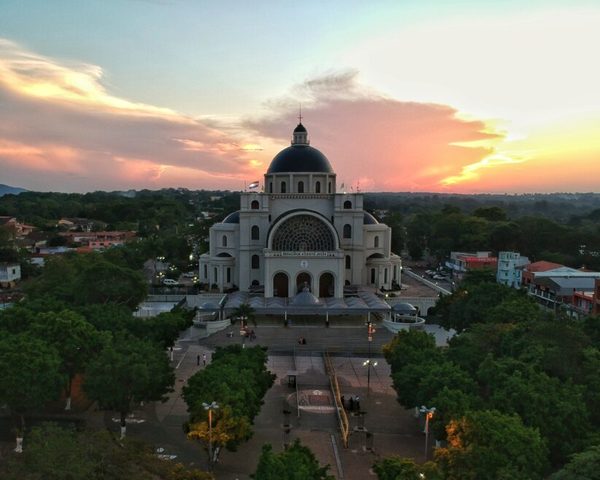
7	189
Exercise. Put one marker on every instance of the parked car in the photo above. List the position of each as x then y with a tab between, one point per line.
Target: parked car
169	282
189	274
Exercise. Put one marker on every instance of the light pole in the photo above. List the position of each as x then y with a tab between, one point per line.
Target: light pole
210	407
368	363
428	416
243	319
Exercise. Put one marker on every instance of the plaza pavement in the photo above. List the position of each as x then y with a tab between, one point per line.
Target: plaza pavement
395	430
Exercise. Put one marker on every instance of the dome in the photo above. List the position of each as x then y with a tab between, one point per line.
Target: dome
300	158
232	218
300	129
405	308
305	299
369	219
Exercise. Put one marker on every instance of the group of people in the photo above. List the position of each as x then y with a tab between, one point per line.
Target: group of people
353	403
249	333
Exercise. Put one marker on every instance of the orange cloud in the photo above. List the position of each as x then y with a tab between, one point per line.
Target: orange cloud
59	118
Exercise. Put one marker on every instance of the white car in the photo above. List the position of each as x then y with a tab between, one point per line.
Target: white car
169	282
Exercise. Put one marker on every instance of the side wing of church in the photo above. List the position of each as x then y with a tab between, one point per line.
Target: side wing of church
300	234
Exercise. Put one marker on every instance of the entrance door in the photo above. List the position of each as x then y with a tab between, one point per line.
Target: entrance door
303	280
280	285
326	285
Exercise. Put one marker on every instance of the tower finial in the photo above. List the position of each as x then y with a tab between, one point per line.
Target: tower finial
300	113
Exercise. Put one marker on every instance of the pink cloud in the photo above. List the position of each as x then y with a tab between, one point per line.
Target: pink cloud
379	142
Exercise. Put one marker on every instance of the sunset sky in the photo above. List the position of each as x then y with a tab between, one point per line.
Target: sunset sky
442	96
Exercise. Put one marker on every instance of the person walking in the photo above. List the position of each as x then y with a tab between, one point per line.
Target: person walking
357	403
198	360
351	403
204	359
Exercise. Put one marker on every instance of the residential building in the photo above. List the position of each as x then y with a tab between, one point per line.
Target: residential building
462	262
510	268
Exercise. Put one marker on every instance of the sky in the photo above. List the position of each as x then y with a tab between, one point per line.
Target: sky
463	96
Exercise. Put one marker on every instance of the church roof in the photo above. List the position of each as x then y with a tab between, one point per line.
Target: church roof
300	128
232	217
300	158
369	219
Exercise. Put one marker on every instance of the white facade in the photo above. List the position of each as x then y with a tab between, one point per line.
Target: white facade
300	233
510	268
9	272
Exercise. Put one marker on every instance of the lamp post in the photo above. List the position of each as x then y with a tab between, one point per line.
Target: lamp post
210	407
368	363
428	416
243	319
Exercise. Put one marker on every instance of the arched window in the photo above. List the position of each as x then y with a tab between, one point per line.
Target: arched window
303	233
228	275
283	187
347	231
254	205
347	205
215	275
255	262
385	275
255	233
372	276
270	187
376	241
348	262
318	187
224	241
300	186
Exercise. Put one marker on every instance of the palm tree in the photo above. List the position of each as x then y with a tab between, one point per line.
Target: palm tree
245	313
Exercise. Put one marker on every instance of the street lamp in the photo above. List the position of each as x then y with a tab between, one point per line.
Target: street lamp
210	407
243	319
370	332
369	363
428	416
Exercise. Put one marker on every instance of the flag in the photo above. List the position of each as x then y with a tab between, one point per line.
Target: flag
254	184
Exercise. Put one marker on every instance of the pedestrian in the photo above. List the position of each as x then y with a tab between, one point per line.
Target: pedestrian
204	359
351	403
198	360
357	403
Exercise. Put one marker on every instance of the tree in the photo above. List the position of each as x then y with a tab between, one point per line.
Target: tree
74	339
397	468
245	311
582	466
237	380
126	372
30	376
488	445
63	453
298	462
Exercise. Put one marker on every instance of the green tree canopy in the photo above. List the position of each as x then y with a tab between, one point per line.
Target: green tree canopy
298	462
489	445
126	372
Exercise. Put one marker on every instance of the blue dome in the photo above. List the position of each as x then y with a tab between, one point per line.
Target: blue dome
232	218
300	158
369	219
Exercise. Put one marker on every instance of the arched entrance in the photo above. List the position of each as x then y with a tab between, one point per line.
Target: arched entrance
280	285
303	279
326	285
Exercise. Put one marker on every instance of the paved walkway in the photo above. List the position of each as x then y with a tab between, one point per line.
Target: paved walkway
395	430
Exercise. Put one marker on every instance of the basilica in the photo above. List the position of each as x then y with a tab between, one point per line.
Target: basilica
300	235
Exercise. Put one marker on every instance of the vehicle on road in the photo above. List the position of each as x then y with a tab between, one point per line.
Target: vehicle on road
169	282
